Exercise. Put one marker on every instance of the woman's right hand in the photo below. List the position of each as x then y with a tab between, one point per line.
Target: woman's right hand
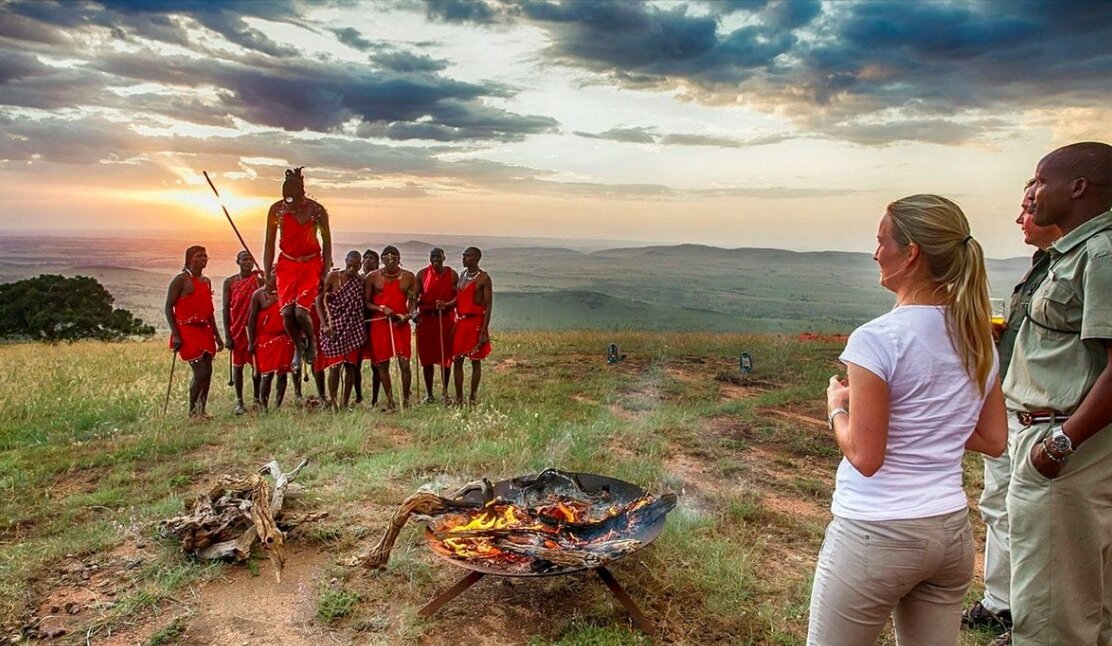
837	393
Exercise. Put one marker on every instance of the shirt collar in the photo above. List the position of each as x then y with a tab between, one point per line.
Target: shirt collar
1068	242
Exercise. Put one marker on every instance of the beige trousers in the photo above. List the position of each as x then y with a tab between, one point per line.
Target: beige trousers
1061	540
994	511
915	570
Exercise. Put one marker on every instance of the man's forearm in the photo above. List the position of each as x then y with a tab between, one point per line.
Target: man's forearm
170	319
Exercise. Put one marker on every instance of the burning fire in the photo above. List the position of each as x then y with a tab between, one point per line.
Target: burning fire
511	534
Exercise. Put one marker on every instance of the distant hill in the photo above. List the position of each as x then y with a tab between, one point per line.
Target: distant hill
694	287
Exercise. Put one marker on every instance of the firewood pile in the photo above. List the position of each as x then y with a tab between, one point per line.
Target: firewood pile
238	511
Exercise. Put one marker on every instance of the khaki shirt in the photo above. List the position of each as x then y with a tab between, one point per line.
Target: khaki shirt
1017	308
1059	351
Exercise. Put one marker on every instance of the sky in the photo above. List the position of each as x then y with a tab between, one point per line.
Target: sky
735	123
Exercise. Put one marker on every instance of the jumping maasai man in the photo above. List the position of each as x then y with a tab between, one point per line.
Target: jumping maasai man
471	335
343	330
238	289
370	263
436	287
269	343
390	297
192	320
303	261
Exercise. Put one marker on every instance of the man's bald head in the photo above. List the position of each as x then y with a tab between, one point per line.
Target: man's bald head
1073	184
1090	160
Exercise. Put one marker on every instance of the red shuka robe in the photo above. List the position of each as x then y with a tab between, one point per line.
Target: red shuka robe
193	315
299	265
239	306
469	323
273	347
382	330
434	327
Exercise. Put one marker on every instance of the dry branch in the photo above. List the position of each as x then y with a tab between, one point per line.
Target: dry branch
237	511
422	503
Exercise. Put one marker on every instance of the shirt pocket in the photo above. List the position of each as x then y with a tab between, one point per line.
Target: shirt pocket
1057	307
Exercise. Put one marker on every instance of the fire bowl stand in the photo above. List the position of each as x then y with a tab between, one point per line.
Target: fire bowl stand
639	620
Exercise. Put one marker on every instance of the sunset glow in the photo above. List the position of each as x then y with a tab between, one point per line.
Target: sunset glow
768	124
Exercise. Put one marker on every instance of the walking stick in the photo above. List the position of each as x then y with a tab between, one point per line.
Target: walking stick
169	382
440	337
227	215
231	382
394	357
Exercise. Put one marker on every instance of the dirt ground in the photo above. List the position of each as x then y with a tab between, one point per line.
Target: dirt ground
246	607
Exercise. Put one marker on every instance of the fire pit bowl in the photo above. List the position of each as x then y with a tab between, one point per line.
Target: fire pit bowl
533	522
547	524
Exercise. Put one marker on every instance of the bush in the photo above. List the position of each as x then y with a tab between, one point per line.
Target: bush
55	308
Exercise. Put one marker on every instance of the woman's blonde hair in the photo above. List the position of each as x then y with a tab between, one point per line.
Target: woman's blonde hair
957	265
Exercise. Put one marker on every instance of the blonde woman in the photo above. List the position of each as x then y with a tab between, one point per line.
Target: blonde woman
922	387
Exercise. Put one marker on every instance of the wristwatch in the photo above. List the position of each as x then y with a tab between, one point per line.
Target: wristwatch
1058	445
834	413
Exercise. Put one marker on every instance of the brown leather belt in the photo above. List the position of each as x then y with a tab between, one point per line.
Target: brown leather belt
1030	418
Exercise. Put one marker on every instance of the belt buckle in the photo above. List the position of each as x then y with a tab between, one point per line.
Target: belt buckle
1025	418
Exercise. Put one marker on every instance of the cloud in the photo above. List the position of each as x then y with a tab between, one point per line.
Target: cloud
404	98
936	131
649	135
352	38
345	165
642	135
476	11
830	66
405	62
225	18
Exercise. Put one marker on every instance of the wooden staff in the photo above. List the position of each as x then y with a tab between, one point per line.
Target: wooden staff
169	382
228	215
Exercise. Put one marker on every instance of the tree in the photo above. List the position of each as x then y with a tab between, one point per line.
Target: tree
55	308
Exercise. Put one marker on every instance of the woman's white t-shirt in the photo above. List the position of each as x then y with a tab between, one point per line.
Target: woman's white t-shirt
934	406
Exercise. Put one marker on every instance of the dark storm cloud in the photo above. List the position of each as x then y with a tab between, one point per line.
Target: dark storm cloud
323	96
225	18
352	38
152	19
476	11
397	94
405	62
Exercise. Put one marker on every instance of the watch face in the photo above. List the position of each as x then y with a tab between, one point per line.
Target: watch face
1062	443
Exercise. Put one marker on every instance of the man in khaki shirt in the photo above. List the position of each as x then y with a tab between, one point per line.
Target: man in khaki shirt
1059	387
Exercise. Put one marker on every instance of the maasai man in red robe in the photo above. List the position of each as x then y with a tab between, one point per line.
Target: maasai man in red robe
370	263
192	320
471	334
390	297
269	343
343	329
303	261
436	287
238	290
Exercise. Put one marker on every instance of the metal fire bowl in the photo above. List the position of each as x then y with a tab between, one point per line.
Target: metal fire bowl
623	492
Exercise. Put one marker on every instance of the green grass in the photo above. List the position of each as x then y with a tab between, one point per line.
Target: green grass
88	465
336	603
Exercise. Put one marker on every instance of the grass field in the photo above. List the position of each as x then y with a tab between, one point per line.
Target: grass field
88	466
